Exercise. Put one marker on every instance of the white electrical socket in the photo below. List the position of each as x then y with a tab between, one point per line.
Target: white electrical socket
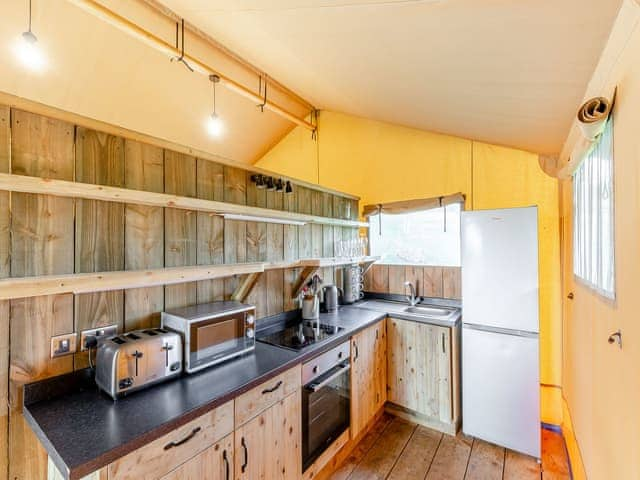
98	332
65	344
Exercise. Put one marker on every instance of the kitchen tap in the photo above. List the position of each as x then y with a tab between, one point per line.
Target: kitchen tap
413	299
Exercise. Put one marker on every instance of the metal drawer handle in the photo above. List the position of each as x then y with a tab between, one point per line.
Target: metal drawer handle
226	465
272	389
246	455
314	387
193	433
443	350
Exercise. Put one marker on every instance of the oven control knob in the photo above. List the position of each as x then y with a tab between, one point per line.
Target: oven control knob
251	319
250	332
315	369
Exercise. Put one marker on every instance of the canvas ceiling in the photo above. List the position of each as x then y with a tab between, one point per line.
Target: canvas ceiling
510	72
100	72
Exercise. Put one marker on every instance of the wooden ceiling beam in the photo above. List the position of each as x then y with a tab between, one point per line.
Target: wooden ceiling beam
161	9
127	26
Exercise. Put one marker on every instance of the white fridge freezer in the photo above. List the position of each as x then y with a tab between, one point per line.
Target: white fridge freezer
500	315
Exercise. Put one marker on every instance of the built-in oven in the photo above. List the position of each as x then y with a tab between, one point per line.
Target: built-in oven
212	332
326	402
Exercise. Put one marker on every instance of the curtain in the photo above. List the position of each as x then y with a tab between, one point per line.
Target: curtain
409	206
593	203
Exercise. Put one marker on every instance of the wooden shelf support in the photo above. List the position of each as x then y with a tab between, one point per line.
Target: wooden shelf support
246	286
303	278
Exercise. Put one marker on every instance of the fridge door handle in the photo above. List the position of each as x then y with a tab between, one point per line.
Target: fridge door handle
502	331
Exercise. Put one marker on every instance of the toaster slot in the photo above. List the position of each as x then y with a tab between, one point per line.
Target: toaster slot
151	333
132	336
118	340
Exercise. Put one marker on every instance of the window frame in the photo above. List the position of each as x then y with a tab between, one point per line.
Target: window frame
373	230
589	283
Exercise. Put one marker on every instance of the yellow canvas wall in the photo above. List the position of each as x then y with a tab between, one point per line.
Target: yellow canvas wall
601	383
382	162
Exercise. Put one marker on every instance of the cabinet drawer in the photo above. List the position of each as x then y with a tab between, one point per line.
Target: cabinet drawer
251	403
168	452
215	463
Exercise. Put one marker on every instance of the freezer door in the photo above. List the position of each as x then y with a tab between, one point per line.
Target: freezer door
500	268
501	389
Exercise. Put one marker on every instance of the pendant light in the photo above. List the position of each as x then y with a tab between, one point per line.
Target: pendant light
215	126
28	51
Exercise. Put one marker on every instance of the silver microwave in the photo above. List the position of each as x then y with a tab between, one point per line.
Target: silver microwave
212	332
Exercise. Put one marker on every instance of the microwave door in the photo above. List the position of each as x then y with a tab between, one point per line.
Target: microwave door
217	340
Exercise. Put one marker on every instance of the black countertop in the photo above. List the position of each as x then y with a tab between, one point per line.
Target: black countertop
84	430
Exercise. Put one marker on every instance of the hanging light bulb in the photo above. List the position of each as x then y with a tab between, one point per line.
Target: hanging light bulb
28	51
215	126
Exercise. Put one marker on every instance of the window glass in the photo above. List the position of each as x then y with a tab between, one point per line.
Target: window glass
430	237
593	224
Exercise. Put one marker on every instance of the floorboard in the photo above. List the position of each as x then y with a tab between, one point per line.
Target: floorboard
380	459
415	459
520	467
452	457
486	461
358	453
554	464
395	449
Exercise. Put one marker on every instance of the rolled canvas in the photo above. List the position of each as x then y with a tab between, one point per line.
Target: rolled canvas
592	116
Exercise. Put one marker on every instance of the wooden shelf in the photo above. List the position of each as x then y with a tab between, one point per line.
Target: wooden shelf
11	288
77	283
64	188
335	261
309	267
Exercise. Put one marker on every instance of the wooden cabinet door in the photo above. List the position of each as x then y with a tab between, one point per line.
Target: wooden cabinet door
419	368
380	365
215	463
269	446
368	375
361	384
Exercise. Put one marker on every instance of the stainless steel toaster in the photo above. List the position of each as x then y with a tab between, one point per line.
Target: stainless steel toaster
134	360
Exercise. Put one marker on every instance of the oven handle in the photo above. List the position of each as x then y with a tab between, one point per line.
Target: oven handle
314	387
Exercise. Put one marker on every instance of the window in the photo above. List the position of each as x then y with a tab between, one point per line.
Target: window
417	238
593	236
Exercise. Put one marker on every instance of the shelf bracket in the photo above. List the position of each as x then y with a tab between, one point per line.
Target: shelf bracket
303	278
245	287
368	264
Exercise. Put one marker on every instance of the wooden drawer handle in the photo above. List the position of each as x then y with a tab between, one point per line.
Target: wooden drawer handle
193	433
246	454
226	465
272	389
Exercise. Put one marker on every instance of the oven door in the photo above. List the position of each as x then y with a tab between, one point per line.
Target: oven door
326	407
219	338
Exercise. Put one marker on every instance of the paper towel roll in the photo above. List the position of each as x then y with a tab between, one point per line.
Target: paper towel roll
592	117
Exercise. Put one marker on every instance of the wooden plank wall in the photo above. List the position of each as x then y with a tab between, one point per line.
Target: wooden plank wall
440	282
42	234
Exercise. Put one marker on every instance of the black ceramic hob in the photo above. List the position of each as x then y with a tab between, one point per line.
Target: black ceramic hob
300	335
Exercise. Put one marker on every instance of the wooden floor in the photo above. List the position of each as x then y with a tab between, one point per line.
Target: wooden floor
399	450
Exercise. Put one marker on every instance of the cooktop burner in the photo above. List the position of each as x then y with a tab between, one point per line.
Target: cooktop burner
300	335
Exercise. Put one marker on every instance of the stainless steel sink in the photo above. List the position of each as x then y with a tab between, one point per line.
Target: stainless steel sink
430	310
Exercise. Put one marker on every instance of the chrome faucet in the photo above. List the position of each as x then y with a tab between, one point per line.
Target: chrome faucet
413	299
